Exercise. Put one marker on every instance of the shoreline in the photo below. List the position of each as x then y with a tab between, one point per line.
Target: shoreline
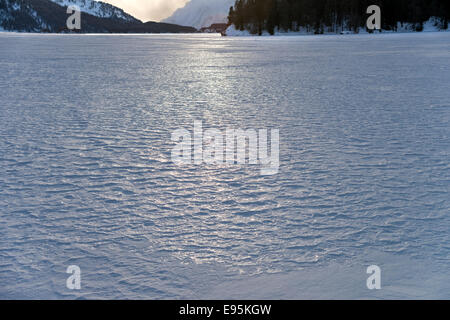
428	26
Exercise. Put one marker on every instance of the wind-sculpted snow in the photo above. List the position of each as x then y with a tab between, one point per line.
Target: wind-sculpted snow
86	176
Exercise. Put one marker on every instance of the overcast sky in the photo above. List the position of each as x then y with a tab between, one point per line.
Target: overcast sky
146	10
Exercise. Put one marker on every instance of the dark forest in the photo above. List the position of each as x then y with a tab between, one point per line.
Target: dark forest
319	16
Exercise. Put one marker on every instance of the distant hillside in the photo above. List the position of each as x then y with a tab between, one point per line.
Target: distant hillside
325	16
51	16
98	9
201	13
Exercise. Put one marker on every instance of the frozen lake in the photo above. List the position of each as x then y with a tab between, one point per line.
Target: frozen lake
86	176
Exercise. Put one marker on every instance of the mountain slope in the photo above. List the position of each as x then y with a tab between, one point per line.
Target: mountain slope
48	16
201	13
98	9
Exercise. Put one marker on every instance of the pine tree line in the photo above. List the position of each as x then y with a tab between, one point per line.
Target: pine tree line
319	16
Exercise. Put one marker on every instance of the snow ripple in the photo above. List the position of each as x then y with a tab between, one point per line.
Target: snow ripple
86	176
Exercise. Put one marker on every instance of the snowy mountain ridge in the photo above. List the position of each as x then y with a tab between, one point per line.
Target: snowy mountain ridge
97	17
201	13
98	9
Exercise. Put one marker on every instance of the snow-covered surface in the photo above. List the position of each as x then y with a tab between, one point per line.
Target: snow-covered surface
402	278
432	25
16	6
86	177
201	13
233	32
97	8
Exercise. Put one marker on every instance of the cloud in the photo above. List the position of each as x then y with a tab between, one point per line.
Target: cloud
149	10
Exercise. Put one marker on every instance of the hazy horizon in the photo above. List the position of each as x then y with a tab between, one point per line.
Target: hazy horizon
149	10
